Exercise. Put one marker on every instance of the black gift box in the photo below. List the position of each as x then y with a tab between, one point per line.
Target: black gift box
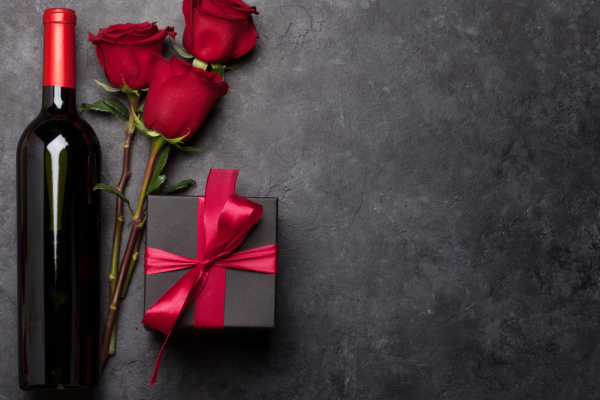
172	226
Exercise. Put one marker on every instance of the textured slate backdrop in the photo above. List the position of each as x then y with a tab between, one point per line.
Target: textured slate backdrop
437	167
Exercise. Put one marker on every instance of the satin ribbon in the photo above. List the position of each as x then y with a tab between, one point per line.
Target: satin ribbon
224	220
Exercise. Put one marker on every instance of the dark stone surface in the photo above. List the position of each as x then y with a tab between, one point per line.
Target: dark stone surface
437	169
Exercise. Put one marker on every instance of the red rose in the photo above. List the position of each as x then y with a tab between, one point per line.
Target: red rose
218	30
126	51
180	97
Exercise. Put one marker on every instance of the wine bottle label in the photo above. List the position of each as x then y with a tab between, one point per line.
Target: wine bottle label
59	47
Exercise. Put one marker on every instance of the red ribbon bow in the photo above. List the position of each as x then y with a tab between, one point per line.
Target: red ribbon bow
224	220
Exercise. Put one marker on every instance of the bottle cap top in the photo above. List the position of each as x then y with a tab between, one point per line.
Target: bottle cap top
60	15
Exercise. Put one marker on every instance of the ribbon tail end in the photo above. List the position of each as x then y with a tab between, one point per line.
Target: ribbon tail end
157	365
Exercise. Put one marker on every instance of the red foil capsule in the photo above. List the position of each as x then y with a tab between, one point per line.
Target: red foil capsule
59	47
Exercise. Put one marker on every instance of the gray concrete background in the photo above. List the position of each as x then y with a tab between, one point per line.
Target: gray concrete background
437	169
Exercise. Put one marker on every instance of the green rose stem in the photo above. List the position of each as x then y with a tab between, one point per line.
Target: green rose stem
136	230
114	258
133	262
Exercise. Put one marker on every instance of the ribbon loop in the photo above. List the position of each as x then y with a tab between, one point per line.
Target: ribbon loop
224	220
236	219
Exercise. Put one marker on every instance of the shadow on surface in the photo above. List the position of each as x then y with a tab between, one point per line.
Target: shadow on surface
187	346
67	394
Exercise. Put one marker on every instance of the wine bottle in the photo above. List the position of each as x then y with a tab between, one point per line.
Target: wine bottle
58	225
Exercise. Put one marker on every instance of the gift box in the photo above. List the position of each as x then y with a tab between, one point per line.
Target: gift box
238	291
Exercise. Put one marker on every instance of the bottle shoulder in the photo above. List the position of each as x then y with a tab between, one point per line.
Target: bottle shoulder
47	127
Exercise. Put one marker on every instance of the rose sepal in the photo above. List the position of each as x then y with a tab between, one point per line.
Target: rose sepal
198	63
175	142
180	51
106	87
177	139
140	125
129	91
221	68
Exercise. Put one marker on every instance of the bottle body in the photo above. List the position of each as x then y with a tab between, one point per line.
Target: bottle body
59	282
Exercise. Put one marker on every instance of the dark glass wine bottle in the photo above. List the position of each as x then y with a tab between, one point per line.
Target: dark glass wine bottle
59	283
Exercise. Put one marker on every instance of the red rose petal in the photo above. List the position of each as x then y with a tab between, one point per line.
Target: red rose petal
119	63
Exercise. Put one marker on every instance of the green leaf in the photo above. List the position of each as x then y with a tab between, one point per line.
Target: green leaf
183	184
141	108
107	105
157	183
101	106
158	180
115	191
107	87
181	52
160	163
117	105
97	106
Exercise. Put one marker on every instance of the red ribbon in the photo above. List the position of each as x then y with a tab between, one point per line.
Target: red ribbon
224	220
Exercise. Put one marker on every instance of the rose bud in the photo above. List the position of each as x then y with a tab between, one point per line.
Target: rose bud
126	52
218	30
180	98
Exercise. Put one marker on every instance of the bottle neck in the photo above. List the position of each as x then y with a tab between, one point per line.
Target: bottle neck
58	100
